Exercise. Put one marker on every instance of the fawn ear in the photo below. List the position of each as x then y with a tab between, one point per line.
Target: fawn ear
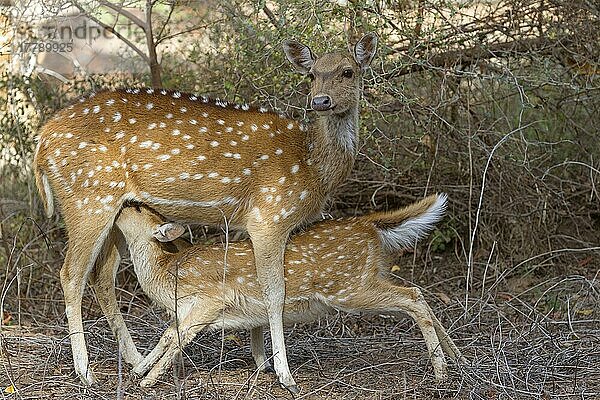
168	232
365	49
299	55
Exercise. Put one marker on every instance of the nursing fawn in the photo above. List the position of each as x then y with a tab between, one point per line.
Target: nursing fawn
198	160
334	265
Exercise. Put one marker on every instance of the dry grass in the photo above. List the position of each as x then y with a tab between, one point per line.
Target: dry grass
524	339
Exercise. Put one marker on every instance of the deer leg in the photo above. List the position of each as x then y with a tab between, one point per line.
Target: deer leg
103	280
385	298
268	252
257	345
199	318
82	250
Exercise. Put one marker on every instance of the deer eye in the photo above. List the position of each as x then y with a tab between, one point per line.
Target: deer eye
348	73
311	76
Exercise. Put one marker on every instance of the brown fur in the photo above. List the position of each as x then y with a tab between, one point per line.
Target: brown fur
197	160
333	265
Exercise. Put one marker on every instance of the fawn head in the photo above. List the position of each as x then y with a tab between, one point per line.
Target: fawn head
335	77
141	222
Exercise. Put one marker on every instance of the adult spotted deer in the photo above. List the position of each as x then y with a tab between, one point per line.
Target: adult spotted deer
334	265
193	159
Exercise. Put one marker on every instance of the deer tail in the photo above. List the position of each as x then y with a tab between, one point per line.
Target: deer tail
43	187
403	227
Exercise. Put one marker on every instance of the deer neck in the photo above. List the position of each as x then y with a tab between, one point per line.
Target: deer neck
333	146
146	257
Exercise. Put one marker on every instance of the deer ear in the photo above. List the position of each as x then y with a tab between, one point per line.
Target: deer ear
364	50
168	232
299	55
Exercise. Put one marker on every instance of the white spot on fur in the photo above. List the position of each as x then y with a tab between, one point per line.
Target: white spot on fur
256	214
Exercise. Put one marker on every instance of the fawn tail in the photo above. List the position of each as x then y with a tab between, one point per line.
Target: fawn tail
401	228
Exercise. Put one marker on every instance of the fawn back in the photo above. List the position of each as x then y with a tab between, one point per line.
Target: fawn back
325	266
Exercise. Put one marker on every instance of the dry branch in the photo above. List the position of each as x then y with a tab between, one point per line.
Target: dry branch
472	56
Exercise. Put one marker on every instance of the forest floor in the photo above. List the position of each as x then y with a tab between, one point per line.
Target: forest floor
528	337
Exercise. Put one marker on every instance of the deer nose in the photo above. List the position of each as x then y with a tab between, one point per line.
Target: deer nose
321	103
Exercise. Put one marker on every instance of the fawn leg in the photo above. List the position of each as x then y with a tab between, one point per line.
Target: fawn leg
383	297
257	344
157	352
447	343
200	317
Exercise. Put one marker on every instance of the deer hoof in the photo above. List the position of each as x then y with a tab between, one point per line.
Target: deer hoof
293	389
268	368
88	378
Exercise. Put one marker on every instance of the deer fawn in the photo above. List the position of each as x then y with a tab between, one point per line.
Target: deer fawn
196	160
334	265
